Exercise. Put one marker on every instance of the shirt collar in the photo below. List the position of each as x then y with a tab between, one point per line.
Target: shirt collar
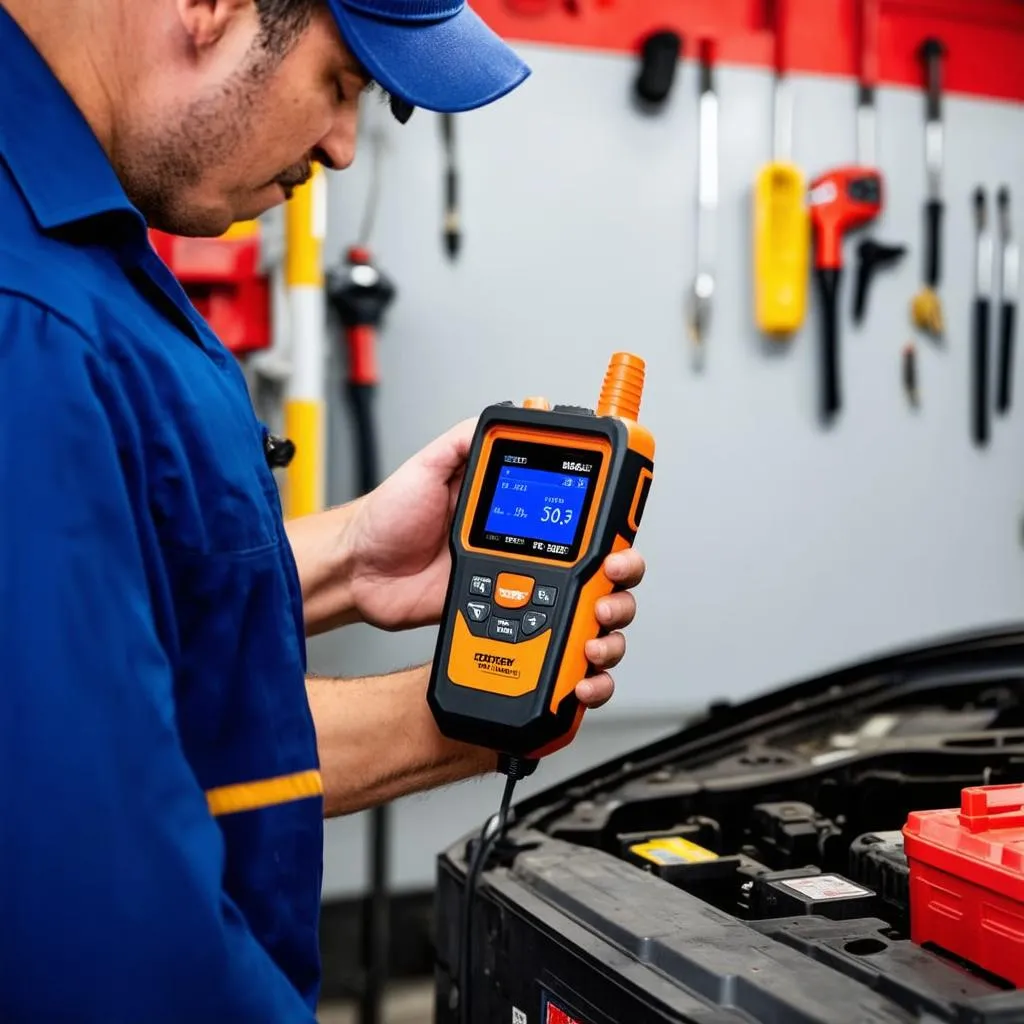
51	151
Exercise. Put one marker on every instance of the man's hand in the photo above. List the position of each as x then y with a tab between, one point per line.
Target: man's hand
398	547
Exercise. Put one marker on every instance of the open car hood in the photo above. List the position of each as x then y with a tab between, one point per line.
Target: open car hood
753	869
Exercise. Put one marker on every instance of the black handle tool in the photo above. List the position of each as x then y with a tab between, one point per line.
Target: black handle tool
452	220
982	300
932	51
1010	256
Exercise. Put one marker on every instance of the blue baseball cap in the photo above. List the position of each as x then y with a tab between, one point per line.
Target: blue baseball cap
435	54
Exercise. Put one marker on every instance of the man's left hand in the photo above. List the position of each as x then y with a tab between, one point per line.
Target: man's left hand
398	538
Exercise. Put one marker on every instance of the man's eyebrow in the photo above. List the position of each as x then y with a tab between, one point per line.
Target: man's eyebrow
401	110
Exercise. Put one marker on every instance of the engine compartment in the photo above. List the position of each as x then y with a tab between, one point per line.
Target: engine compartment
753	866
820	802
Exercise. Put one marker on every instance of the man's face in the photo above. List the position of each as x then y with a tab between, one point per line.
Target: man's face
234	135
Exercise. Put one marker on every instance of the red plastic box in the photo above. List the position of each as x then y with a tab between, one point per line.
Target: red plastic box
967	879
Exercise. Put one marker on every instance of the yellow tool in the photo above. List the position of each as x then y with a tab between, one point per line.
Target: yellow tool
782	237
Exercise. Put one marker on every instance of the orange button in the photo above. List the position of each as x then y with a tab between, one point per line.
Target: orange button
512	591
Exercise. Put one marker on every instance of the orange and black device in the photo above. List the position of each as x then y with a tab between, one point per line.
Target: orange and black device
549	493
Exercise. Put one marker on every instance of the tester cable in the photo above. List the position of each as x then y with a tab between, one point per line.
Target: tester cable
493	832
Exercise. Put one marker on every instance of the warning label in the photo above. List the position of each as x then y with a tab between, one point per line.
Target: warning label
673	850
824	887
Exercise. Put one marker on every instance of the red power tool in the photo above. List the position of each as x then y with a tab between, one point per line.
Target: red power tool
841	201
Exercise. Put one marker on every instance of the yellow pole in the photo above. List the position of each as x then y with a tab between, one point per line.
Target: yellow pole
304	420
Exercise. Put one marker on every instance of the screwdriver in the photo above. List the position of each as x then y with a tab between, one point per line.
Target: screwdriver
926	309
707	204
982	299
452	227
1010	255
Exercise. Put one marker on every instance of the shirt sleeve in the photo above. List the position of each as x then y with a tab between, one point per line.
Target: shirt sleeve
111	866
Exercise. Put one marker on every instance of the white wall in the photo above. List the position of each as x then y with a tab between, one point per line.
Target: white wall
777	549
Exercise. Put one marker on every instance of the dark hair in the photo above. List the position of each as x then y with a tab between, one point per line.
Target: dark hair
282	22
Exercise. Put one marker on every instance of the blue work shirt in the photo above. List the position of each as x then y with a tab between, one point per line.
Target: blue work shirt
161	814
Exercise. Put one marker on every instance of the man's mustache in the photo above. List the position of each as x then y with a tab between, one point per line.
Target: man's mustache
295	176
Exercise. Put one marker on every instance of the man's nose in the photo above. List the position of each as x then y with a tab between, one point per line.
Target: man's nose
338	146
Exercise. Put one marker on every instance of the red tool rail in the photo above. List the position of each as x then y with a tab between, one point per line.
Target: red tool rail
985	37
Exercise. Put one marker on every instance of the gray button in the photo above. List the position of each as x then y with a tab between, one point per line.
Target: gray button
504	629
480	585
532	621
544	595
478	610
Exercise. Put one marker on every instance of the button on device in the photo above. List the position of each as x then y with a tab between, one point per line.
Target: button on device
545	596
533	621
504	629
480	585
512	591
478	610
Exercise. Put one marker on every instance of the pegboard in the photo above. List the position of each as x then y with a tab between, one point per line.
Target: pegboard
879	38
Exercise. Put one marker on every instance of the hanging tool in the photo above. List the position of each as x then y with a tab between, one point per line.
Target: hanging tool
841	201
926	309
547	495
703	288
872	256
659	59
910	373
452	220
781	226
984	254
1010	259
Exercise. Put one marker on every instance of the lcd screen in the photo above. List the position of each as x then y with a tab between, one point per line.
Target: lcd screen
535	499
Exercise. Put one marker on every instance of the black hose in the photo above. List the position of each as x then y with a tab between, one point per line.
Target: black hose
360	398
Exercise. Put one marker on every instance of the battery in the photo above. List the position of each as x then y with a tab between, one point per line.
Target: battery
967	879
793	894
878	860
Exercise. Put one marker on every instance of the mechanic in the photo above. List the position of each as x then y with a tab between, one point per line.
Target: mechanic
165	764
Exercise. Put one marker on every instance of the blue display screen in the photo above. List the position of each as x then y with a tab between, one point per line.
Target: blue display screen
537	504
536	498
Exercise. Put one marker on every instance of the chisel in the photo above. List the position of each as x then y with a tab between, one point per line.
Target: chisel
982	299
1010	255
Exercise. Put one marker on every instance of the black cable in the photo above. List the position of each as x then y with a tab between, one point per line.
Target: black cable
360	402
490	835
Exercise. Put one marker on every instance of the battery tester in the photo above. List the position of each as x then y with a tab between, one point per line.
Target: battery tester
549	492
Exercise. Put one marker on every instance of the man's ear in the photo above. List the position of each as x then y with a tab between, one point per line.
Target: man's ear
206	21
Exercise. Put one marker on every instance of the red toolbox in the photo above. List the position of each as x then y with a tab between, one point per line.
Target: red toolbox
967	879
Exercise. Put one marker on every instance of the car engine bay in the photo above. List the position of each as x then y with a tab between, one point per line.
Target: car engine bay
758	863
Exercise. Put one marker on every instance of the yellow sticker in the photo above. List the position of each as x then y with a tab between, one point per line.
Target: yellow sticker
673	850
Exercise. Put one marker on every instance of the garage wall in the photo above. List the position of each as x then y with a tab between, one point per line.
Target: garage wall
777	548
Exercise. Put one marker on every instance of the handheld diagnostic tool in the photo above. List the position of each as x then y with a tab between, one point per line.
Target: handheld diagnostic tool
549	493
